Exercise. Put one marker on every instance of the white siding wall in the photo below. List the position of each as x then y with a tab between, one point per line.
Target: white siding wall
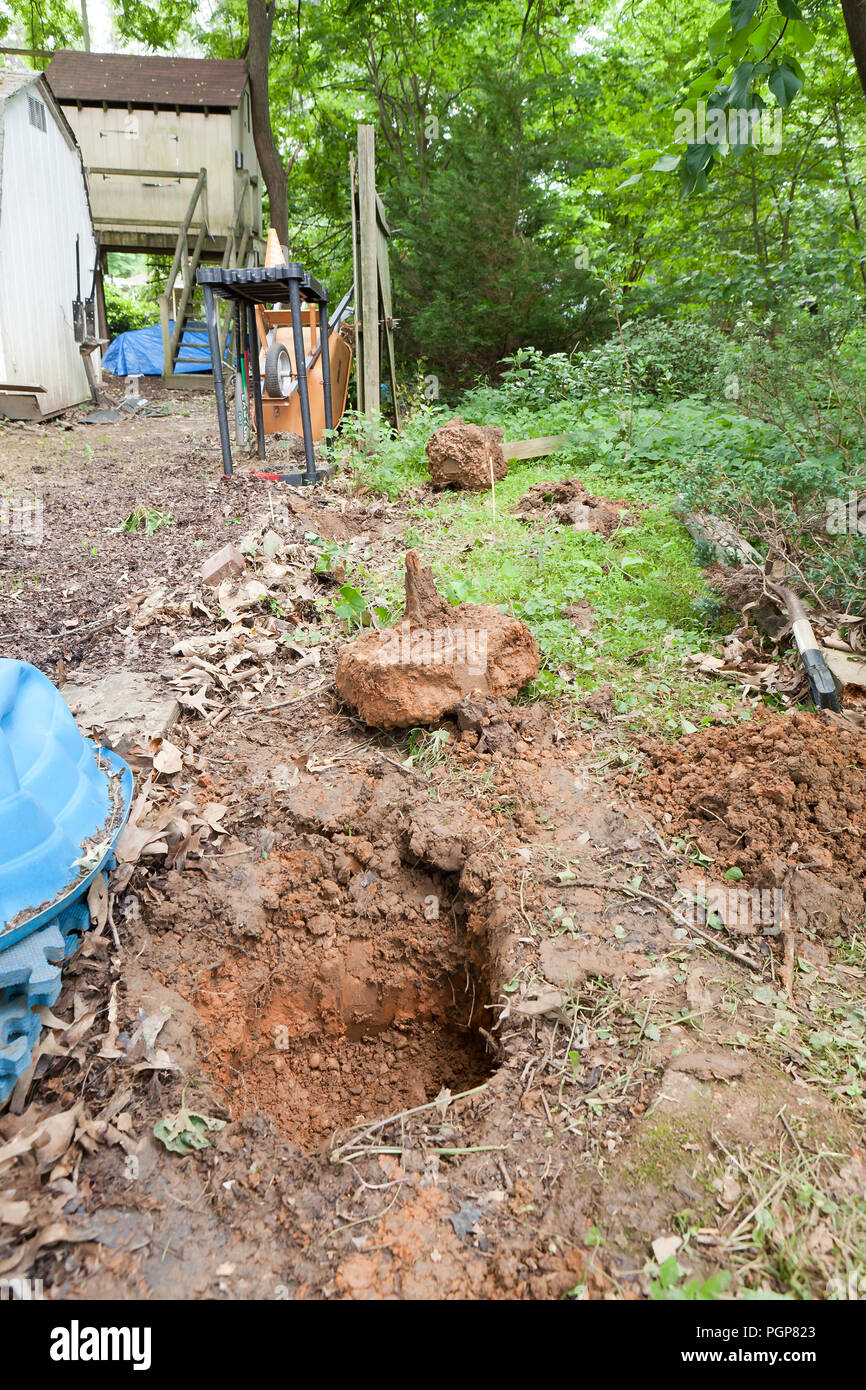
43	205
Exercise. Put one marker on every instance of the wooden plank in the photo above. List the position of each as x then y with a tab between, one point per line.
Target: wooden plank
189	381
356	272
189	269
845	669
382	216
387	314
723	539
369	298
534	448
148	173
139	222
164	319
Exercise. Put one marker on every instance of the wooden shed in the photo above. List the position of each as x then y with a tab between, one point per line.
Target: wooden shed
47	251
171	161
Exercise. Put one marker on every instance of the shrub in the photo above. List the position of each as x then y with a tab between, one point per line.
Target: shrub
126	310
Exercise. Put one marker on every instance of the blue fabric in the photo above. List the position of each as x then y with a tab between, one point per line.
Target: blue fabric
140	351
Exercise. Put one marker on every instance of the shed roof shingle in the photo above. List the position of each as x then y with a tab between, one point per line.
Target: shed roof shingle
123	78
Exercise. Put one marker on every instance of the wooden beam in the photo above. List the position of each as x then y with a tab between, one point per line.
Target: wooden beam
143	222
387	314
164	321
534	448
146	173
356	275
369	287
190	381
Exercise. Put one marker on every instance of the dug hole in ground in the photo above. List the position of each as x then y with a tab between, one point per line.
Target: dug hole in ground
455	1027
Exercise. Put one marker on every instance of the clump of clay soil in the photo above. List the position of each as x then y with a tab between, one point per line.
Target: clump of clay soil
466	456
775	797
569	503
504	728
417	671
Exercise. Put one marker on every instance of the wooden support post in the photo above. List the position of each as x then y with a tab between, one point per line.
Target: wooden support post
167	362
368	291
356	280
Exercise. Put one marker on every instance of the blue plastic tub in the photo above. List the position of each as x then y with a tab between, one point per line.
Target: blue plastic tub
54	800
56	803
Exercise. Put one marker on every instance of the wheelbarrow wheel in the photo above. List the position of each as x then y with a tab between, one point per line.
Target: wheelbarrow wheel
278	371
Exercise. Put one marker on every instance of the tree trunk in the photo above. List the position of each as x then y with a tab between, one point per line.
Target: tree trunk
261	23
852	201
854	12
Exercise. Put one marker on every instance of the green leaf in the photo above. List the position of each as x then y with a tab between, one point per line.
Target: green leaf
764	994
714	1286
350	604
800	37
718	34
733	875
185	1131
740	84
784	84
743	12
698	157
666	162
790	9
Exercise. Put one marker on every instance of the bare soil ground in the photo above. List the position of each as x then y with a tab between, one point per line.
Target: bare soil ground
463	1040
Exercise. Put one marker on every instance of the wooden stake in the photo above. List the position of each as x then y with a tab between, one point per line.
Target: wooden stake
369	287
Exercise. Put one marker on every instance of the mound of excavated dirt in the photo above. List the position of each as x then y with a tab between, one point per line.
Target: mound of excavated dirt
569	503
776	796
417	671
463	455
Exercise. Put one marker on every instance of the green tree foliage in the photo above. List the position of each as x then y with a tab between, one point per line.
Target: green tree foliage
533	157
46	26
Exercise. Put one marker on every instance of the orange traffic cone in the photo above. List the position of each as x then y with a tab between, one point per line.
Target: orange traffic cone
273	250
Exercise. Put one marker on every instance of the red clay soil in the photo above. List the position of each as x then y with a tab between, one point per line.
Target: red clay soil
466	456
344	1002
569	503
419	670
766	795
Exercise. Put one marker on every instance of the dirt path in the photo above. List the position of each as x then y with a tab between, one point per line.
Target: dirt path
502	946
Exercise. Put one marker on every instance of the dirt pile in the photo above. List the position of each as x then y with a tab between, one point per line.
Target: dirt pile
466	456
502	728
782	798
417	671
569	503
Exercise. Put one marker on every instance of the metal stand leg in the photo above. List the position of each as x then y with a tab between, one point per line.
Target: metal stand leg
326	367
238	345
213	338
256	379
301	369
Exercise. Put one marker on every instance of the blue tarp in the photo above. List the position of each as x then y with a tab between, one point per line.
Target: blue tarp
141	351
